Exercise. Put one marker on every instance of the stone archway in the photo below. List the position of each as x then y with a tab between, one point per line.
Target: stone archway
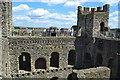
54	78
53	34
72	76
54	60
111	66
87	60
99	60
110	63
25	61
40	63
102	25
71	57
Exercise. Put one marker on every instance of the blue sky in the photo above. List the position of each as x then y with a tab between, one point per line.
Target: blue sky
59	13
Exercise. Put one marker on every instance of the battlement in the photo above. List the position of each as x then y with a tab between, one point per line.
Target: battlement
105	8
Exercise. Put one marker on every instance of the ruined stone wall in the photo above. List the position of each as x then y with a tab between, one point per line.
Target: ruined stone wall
109	50
5	57
37	32
94	73
98	52
39	47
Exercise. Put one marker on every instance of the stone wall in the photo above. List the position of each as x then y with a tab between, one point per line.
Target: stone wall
39	47
94	52
64	73
6	18
41	33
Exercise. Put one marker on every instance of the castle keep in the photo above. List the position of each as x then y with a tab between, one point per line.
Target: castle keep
88	50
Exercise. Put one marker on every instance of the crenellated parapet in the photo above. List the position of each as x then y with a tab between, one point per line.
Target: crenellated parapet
87	10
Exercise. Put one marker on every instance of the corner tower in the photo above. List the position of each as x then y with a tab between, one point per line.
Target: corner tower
5	31
93	21
6	22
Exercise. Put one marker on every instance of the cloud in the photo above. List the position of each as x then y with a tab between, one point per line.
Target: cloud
41	17
114	16
21	7
109	1
36	22
115	13
72	3
41	13
54	2
21	18
114	19
51	2
38	12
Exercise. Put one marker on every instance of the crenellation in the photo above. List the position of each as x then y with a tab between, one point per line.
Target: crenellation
106	8
93	9
86	9
99	9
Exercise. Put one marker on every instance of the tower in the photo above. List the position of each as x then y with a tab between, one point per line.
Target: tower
93	21
5	32
6	13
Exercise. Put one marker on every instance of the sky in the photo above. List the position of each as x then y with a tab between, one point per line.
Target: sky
57	13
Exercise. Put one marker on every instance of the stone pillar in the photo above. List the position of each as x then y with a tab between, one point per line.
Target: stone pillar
0	41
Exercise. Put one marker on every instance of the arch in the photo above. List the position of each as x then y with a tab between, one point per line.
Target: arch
99	60
71	57
54	78
102	25
25	61
72	76
40	63
111	66
87	60
54	60
53	34
110	63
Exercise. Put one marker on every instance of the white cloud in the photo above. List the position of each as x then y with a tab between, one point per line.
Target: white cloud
38	12
21	7
115	18
72	3
109	1
51	2
44	18
45	14
116	13
21	18
27	21
113	22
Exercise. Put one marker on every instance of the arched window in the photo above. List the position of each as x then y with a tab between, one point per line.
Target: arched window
71	57
40	63
53	34
99	60
102	25
54	78
72	76
54	60
87	60
25	61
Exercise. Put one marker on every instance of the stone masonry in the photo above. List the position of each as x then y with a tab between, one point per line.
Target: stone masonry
86	51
